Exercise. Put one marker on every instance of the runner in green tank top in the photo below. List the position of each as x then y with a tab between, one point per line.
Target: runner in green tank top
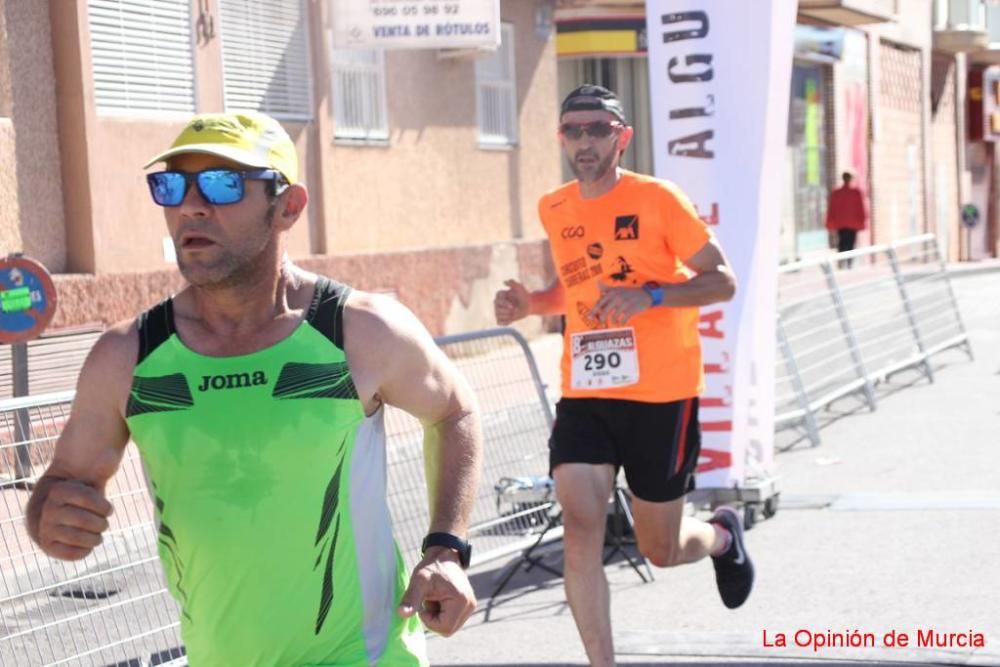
255	398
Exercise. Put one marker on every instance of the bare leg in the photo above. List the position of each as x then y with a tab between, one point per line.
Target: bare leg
666	537
583	491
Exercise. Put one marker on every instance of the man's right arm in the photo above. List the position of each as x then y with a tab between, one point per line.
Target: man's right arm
549	301
68	510
516	302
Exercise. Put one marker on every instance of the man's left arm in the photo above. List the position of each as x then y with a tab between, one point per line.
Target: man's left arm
713	282
418	378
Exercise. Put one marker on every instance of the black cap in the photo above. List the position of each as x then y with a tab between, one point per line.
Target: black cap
589	97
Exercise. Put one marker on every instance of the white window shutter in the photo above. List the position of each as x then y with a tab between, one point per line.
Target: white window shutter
358	92
265	57
496	93
141	54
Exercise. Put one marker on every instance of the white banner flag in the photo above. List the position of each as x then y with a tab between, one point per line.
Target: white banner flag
719	75
415	24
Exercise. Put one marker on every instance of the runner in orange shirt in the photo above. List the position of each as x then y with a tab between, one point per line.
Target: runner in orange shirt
635	261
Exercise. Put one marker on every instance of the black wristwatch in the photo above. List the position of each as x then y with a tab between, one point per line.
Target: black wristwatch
453	542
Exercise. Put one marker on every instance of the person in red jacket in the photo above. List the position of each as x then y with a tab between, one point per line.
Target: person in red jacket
846	216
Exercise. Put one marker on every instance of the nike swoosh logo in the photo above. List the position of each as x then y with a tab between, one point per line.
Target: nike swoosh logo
558	203
740	557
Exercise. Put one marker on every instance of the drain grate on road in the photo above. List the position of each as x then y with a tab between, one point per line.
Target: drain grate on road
90	590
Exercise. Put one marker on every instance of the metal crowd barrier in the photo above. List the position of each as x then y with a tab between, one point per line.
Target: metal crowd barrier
848	321
91	612
54	362
514	494
115	603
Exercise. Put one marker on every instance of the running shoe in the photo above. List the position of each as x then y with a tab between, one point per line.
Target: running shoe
733	569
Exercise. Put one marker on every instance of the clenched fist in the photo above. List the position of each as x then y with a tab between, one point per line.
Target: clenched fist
511	304
439	592
72	519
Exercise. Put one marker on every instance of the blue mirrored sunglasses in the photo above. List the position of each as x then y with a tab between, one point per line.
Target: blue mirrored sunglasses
217	186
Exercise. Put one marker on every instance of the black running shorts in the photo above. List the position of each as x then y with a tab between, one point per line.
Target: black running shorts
656	443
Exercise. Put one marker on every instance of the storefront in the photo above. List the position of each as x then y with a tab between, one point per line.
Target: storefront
607	46
979	234
808	159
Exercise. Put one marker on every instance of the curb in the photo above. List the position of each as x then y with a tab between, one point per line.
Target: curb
961	269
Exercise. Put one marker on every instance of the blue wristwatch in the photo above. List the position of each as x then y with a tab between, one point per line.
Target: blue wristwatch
656	293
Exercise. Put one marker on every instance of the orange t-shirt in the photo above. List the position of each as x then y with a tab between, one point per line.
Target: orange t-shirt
639	232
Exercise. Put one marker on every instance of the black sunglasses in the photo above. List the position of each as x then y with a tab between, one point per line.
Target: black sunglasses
599	129
217	186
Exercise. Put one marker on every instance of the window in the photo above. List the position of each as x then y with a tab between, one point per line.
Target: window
966	15
141	54
265	57
496	93
993	25
629	78
358	92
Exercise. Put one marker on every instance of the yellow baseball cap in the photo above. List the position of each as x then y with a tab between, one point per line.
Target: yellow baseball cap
247	137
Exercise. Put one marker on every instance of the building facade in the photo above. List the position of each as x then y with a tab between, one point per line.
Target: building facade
968	31
423	167
876	89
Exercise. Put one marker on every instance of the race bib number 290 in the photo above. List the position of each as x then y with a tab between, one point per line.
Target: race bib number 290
604	359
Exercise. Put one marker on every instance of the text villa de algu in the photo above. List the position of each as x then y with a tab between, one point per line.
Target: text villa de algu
817	641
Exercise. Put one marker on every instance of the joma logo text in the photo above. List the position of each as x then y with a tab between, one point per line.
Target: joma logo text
232	381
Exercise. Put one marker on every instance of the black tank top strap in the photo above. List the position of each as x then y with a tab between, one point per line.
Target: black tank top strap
326	312
155	326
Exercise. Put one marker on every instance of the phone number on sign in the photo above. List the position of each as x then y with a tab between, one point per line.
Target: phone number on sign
429	9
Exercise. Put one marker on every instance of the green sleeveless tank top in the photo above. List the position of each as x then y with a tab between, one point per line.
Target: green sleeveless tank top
269	484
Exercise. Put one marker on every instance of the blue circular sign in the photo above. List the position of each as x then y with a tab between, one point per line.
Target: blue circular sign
27	299
970	215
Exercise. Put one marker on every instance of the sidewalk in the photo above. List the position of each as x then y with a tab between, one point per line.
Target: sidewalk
889	525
